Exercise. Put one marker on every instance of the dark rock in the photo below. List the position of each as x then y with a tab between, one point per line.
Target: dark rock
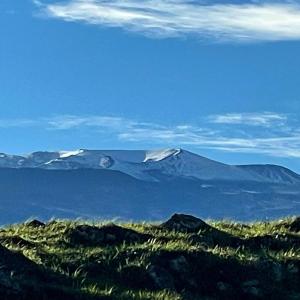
182	270
179	264
185	223
106	235
35	224
295	225
252	287
161	278
292	268
223	286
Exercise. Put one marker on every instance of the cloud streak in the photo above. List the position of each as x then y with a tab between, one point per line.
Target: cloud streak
248	22
10	123
265	119
238	135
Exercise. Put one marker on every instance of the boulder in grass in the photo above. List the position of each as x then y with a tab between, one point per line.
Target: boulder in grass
295	225
161	278
110	234
185	223
35	224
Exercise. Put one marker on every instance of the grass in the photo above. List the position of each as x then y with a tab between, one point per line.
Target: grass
227	261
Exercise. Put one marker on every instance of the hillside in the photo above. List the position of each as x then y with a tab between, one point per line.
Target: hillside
183	258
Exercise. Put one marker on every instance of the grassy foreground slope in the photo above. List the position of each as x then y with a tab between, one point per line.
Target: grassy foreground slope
183	258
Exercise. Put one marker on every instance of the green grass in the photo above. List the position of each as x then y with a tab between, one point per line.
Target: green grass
230	261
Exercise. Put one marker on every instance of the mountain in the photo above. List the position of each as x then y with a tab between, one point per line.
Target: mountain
145	165
140	184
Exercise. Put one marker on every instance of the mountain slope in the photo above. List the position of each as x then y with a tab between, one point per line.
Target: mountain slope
94	193
272	173
143	164
131	184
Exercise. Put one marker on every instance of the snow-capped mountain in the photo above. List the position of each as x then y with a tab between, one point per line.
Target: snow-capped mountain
150	165
141	184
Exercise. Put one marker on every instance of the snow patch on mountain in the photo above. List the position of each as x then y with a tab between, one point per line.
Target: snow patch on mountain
159	155
64	154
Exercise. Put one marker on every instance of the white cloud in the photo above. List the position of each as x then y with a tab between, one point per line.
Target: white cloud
254	119
276	142
9	123
254	21
65	122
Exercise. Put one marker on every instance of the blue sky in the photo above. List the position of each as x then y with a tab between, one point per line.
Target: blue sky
221	79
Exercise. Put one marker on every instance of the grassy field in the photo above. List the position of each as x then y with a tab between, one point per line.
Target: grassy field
183	258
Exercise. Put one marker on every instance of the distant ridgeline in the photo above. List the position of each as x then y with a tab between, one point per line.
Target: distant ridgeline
183	258
140	184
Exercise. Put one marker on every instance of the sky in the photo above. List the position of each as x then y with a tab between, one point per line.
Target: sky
218	78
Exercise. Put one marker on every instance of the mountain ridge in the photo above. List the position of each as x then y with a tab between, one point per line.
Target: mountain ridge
140	163
130	184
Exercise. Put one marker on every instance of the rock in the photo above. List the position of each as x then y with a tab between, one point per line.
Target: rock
292	268
223	286
251	287
35	224
252	290
162	279
179	264
295	225
181	269
106	162
253	282
110	234
185	223
277	272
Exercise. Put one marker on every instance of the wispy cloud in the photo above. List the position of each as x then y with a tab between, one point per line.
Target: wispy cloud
266	119
65	122
275	140
225	21
280	146
9	123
